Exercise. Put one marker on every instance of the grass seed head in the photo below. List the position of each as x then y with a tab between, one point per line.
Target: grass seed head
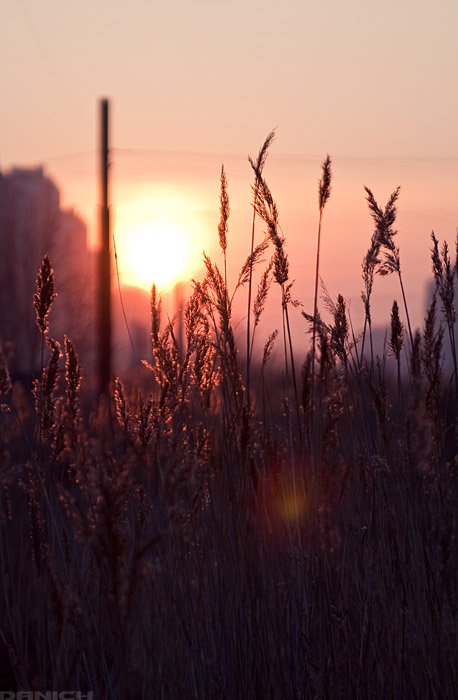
280	261
268	348
156	304
339	333
224	211
45	294
72	375
324	188
397	332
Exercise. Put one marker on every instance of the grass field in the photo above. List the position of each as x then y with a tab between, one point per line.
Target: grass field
240	529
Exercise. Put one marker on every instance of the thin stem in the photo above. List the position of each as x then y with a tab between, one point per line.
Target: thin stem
363	341
372	345
250	281
406	309
293	370
284	344
399	388
315	313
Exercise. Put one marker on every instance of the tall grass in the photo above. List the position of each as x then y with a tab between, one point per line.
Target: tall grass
324	192
186	541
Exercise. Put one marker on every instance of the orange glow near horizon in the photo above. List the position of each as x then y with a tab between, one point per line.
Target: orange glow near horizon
159	240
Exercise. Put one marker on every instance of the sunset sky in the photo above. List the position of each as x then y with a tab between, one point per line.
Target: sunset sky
195	84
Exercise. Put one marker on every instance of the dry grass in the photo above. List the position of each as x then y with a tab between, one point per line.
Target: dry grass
193	543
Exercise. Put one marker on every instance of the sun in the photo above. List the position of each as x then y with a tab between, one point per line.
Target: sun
155	252
159	237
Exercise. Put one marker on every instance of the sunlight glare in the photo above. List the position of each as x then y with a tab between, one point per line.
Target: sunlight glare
159	239
155	252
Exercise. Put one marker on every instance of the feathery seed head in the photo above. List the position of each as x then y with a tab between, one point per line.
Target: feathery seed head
261	295
444	278
51	373
339	333
258	165
268	348
280	260
262	155
431	352
384	219
45	294
72	372
252	260
155	315
44	390
436	259
122	410
324	189
224	211
397	332
384	233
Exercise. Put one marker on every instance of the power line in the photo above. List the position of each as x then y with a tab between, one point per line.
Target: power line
64	156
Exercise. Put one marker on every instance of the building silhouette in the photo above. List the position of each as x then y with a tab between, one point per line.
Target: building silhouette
33	224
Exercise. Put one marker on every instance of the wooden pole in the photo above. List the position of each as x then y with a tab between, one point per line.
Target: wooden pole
104	321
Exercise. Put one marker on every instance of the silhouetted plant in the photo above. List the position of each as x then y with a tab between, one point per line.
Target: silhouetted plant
258	167
45	294
396	343
444	277
384	221
185	540
324	191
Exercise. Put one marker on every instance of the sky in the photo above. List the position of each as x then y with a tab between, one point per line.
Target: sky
196	84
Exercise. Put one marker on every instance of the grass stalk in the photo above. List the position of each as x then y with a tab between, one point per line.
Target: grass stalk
257	167
147	563
324	191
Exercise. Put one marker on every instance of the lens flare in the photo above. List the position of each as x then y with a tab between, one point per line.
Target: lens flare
282	506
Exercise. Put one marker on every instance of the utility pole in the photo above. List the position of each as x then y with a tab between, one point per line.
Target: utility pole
104	290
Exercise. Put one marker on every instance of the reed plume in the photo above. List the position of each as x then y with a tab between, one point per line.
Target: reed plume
267	210
45	294
73	382
44	392
384	221
260	299
444	277
258	167
163	567
224	216
369	265
339	332
324	192
396	342
431	357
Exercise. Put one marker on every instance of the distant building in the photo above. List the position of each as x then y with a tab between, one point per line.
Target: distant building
32	224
